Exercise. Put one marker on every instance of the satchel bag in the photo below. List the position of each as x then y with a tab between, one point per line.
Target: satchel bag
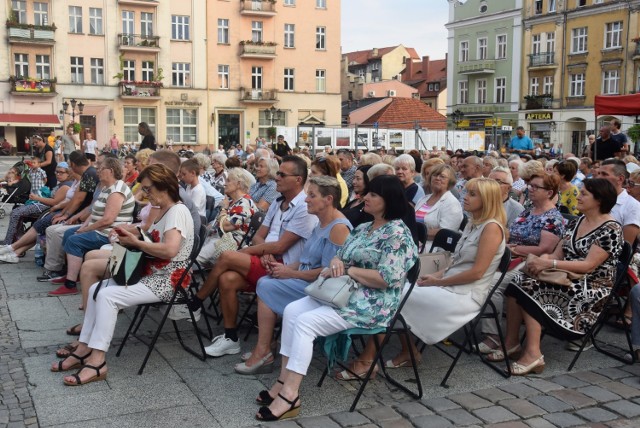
334	292
431	263
226	243
553	275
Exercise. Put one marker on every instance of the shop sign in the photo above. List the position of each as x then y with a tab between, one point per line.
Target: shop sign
488	123
539	116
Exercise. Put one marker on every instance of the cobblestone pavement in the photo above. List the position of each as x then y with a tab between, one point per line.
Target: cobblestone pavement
179	389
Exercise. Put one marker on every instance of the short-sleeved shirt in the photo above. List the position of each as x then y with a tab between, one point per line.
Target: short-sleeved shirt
50	169
527	228
90	146
569	198
239	215
126	211
626	211
88	184
602	150
513	209
294	219
521	143
198	197
281	149
348	176
38	179
266	191
148	142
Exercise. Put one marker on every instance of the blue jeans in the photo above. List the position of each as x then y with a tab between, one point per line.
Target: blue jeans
634	300
78	244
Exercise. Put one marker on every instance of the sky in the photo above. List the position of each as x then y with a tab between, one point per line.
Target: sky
416	24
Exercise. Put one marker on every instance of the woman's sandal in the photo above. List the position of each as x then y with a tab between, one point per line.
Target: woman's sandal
389	364
498	355
66	350
536	367
80	362
99	376
75	330
264	413
349	375
264	399
623	323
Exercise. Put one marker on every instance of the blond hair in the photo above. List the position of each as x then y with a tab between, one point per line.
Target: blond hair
370	158
492	206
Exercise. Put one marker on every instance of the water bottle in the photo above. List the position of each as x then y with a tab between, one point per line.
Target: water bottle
39	255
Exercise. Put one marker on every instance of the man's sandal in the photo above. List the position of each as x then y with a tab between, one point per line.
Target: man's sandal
99	376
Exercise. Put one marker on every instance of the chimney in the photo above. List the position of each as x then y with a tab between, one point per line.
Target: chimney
425	67
374	52
408	73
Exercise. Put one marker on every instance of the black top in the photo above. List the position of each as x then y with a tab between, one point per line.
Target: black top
50	169
356	216
148	142
281	149
605	149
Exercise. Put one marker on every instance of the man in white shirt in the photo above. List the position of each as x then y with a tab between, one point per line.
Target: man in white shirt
89	146
627	208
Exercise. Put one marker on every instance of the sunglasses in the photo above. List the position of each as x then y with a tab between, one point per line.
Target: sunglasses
284	174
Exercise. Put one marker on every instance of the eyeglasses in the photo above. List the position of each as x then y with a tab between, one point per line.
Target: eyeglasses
146	189
61	172
503	182
633	184
535	188
441	176
284	174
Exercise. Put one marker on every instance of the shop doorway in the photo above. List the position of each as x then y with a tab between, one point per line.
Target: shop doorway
88	124
228	130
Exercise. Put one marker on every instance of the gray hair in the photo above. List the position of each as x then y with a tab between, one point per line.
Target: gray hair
507	173
262	153
221	158
380	169
241	176
551	163
272	165
203	160
530	168
407	160
575	160
491	161
113	164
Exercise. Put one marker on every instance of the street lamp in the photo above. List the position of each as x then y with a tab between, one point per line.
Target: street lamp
274	114
457	116
74	103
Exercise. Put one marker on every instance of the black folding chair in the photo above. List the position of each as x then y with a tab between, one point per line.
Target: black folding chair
397	326
422	236
612	304
488	310
446	239
569	217
210	209
179	297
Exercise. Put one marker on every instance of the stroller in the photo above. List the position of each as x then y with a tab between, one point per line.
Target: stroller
17	193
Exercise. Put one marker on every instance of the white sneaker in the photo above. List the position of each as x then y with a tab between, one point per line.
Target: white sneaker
181	312
9	258
6	249
574	345
222	346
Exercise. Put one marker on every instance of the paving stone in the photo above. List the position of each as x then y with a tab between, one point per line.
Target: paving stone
284	424
380	414
520	390
495	414
624	423
317	422
613	373
563	420
399	423
439	404
412	410
628	409
349	419
549	403
430	421
590	377
543	385
625	391
460	417
569	381
633	382
596	414
522	408
574	398
634	369
598	393
516	424
539	423
493	394
470	401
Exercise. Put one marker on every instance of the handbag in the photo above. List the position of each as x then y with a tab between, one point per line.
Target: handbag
226	243
431	263
334	292
553	275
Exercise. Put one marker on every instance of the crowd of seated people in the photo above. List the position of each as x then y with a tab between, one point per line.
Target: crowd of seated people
353	214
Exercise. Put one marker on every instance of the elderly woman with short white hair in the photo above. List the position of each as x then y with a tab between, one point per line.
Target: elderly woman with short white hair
405	167
518	183
218	161
263	191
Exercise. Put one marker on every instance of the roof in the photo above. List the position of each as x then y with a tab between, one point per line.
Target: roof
437	70
363	57
29	120
403	112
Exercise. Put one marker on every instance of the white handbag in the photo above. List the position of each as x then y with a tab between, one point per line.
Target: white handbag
334	292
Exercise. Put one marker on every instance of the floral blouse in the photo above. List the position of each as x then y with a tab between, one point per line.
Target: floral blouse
391	251
569	198
239	214
527	228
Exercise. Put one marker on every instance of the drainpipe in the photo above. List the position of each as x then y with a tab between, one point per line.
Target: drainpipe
626	56
564	60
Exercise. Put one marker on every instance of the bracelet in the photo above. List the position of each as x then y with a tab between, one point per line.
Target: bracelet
555	264
346	270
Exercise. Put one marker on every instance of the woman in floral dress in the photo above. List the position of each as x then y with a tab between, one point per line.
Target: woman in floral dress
591	246
378	256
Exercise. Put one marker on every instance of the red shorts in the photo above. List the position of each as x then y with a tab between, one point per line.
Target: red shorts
256	271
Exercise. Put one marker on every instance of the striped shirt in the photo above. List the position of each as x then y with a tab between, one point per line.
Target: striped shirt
126	212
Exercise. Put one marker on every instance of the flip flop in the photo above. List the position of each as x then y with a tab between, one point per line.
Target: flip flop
75	330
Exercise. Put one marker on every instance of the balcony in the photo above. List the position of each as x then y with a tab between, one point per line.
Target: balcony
140	90
636	52
483	109
542	60
258	50
536	102
485	66
31	86
264	8
26	33
138	2
258	96
138	43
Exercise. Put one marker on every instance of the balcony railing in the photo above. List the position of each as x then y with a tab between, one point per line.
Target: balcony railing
21	33
485	66
30	86
137	41
541	59
636	51
258	7
250	49
533	102
140	89
258	95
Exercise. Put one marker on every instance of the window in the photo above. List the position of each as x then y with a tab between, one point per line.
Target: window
97	71
321	81
256	31
19	8
536	44
537	7
43	67
638	80
430	87
321	38
534	86
95	20
579	40
21	63
482	48
501	89
547	85
463	92
132	117
40	13
289	2
75	19
129	69
147	71
610	82
289	35
180	27
501	46
223	31
321	4
181	74
128	24
576	85
481	91
77	69
223	76
182	125
436	86
582	3
613	35
256	77
464	51
289	79
552	5
266	120
551	42
146	24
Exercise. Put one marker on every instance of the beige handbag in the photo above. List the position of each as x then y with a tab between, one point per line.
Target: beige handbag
431	263
553	275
